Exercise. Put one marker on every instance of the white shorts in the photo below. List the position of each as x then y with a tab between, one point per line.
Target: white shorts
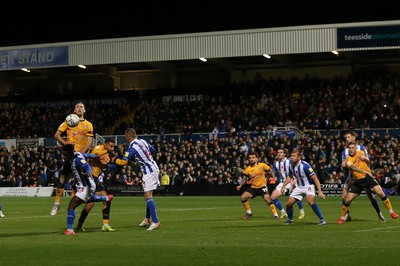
288	187
151	181
299	192
83	192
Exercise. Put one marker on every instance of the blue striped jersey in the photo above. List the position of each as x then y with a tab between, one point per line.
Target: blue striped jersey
78	168
281	169
303	173
141	151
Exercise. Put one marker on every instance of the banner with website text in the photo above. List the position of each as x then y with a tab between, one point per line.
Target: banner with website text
26	191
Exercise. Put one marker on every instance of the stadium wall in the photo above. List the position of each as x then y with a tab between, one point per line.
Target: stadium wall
26	191
195	189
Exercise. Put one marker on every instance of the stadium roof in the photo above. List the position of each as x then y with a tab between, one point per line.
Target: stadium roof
288	60
291	61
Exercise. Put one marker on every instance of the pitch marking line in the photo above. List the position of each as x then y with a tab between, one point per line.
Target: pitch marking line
376	229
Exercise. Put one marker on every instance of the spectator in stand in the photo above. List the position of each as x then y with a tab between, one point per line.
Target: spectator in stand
137	181
165	180
129	181
331	178
43	177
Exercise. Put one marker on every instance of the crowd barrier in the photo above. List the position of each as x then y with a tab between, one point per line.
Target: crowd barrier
277	131
194	189
26	191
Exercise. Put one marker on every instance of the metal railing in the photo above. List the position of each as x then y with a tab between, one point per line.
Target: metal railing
290	132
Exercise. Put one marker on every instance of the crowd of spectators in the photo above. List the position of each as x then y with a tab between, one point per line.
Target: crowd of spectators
212	161
364	101
40	118
309	104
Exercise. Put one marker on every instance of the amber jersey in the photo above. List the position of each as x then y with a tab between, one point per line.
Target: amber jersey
256	173
79	134
98	164
354	160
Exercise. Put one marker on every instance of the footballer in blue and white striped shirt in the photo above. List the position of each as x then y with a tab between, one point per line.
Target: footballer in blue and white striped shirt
307	185
141	151
281	168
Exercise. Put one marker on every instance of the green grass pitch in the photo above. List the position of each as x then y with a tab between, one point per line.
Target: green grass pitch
198	231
